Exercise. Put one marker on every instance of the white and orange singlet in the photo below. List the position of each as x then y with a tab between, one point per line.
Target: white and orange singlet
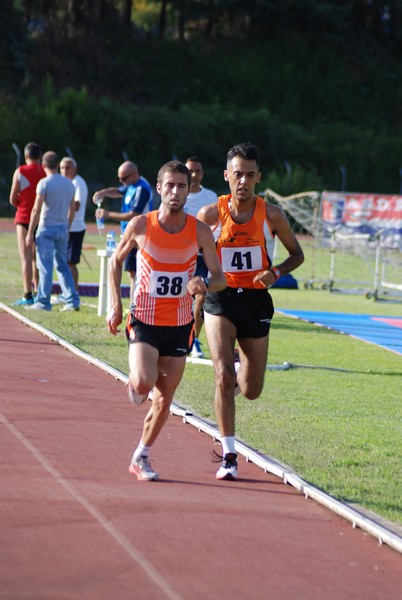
243	249
165	264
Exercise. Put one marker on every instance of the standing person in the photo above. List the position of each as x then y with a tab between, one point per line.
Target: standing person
68	168
22	196
159	326
54	211
244	227
137	199
197	198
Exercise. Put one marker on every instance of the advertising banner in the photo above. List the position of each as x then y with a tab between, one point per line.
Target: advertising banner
363	213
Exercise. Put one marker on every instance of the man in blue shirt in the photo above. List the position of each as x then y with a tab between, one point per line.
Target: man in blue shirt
137	199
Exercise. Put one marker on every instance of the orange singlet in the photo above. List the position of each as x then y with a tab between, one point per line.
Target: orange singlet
165	264
243	250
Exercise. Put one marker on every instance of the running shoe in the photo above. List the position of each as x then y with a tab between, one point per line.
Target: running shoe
228	469
142	469
69	307
196	352
135	398
57	299
24	302
37	306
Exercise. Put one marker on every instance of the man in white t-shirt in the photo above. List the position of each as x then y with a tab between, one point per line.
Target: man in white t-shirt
68	168
197	198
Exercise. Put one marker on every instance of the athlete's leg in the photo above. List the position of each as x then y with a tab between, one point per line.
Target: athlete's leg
26	258
170	372
221	336
198	320
143	366
253	360
35	272
74	273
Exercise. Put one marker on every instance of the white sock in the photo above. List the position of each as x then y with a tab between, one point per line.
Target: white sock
141	450
228	445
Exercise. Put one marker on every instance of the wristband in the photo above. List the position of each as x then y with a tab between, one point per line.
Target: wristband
205	280
276	272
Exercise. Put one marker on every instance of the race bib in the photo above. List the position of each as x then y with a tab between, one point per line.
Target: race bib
235	260
168	285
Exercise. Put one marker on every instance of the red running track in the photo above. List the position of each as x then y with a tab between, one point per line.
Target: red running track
76	525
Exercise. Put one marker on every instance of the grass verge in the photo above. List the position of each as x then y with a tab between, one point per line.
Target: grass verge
339	430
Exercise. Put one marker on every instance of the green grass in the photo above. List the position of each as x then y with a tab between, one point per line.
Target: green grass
339	430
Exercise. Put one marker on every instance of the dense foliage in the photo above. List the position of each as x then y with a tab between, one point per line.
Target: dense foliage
317	85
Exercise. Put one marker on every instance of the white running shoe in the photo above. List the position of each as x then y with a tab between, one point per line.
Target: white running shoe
142	469
228	469
57	299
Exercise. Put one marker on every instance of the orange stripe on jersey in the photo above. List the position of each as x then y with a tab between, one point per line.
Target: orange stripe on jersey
246	249
165	264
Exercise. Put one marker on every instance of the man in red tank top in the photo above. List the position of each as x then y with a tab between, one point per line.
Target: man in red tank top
160	325
244	226
22	196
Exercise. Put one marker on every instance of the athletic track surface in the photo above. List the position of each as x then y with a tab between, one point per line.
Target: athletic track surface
76	525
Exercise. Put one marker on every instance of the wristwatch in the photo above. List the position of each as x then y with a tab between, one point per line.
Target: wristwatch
276	272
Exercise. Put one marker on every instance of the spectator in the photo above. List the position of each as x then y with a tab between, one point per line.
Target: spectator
22	196
53	213
197	198
68	168
137	199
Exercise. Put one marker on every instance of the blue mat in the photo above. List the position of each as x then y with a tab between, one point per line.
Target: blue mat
382	331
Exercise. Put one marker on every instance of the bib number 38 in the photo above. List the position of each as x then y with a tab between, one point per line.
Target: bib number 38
168	285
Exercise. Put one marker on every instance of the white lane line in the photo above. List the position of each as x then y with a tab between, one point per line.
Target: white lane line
131	550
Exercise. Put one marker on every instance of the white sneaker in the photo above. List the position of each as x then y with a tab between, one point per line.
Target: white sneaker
228	470
57	299
37	306
69	307
142	469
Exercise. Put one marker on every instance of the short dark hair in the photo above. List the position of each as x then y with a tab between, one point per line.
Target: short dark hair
193	159
33	151
173	166
50	160
245	150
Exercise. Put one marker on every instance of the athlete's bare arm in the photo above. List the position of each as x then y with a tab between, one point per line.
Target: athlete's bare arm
15	189
280	226
216	278
132	238
209	214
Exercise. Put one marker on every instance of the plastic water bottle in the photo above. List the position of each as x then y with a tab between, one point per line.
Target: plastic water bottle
100	223
111	241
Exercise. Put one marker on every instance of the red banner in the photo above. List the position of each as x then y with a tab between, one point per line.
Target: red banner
364	213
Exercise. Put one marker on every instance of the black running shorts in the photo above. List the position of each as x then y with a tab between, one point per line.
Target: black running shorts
249	310
169	341
74	248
